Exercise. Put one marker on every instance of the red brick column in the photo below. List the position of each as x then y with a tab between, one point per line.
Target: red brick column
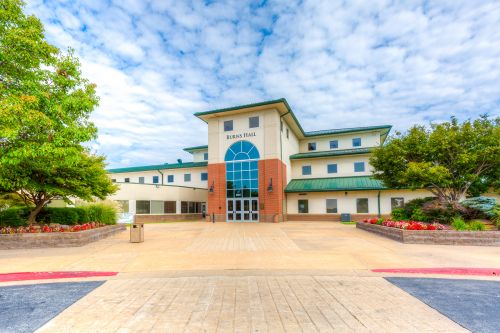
271	203
216	203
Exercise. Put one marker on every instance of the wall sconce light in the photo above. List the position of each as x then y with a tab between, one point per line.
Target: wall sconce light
270	187
211	187
345	193
157	186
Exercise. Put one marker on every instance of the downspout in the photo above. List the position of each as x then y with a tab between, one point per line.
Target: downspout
281	157
161	173
378	202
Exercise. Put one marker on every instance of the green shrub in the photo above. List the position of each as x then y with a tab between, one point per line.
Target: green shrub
379	221
61	215
482	204
399	214
411	205
496	215
82	215
418	215
14	217
459	224
476	226
103	212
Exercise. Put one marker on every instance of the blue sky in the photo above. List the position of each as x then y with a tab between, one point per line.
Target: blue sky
338	63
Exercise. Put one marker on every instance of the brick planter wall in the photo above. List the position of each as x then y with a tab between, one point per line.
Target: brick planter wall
330	217
440	237
57	239
167	218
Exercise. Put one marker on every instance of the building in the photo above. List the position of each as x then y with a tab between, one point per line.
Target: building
260	165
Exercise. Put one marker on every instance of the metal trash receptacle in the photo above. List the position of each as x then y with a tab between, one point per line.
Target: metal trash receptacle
137	233
345	217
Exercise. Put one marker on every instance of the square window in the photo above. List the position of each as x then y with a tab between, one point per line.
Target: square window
359	166
356	142
331	206
311	146
281	126
228	125
362	206
306	170
204	176
170	178
157	207
142	207
127	180
397	203
205	156
303	206
169	207
334	144
332	168
156	179
141	180
253	122
187	177
287	135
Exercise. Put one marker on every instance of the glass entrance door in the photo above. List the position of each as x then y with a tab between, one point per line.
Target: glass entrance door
242	210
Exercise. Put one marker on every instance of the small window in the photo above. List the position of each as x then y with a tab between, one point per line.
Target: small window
397	203
141	180
157	207
356	142
113	180
331	206
303	206
253	122
287	133
127	180
205	156
359	166
204	176
334	144
170	178
362	205
228	125
142	207
306	170
281	126
332	168
311	146
184	207
187	177
169	207
156	179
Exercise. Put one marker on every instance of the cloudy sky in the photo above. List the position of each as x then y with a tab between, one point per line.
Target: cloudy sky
338	63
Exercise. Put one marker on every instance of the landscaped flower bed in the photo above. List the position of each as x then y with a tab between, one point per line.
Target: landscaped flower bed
33	229
408	225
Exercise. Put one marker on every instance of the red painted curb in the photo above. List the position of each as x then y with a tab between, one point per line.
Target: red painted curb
443	270
23	276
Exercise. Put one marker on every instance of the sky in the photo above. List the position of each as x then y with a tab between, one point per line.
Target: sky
338	64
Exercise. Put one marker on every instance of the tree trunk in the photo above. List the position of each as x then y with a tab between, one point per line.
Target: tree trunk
34	212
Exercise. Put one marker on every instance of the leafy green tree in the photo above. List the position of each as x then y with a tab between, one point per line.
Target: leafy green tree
45	105
450	159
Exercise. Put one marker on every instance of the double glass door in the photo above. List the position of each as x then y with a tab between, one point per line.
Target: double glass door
243	210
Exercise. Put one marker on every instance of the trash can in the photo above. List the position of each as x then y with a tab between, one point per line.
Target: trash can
345	217
137	233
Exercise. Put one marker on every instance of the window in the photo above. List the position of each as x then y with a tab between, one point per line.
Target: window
311	146
205	156
397	203
306	170
190	207
281	126
334	144
187	177
287	136
142	207
141	180
127	180
157	207
169	207
356	142
253	122
228	125
332	168
156	179
242	170
204	176
359	166
303	206
184	207
123	204
362	205
170	178
331	205
113	180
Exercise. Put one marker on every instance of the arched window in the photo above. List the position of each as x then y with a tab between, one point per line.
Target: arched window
242	170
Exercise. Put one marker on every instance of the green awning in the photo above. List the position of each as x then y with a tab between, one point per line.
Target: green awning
165	166
334	184
328	153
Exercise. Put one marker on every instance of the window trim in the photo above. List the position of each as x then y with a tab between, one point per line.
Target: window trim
337	145
157	178
204	174
360	142
310	170
250	121
306	206
360	163
185	178
168	178
228	122
367	206
336	206
311	145
332	164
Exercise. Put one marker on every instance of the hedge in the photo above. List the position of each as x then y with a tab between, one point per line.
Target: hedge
14	217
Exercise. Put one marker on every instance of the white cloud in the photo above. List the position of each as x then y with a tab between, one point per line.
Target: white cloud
339	64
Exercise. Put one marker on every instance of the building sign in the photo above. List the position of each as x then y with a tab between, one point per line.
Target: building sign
241	135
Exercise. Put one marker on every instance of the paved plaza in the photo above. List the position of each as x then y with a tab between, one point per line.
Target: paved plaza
227	277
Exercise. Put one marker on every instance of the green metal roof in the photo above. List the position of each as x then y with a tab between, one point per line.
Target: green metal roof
385	128
328	153
334	184
159	167
191	149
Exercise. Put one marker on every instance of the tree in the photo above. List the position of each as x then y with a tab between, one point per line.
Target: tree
450	159
45	105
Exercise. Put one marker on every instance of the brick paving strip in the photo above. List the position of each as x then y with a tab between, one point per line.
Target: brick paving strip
25	276
289	303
